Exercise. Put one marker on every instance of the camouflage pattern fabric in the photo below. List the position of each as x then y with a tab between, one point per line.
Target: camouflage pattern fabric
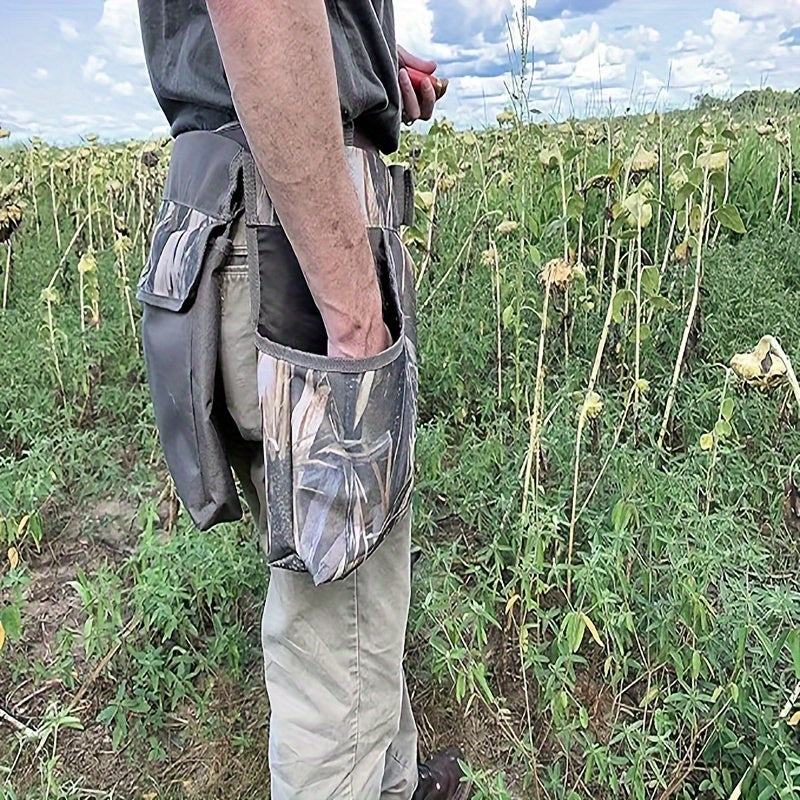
338	434
199	203
180	243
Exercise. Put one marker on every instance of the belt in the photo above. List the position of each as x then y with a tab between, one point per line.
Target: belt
400	189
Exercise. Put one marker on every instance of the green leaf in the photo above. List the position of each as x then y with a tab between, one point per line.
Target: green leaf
683	194
793	640
575	206
644	333
729	217
726	412
107	714
660	303
621	515
575	628
12	622
696	176
697	664
696	133
718	182
621	299
651	279
722	429
706	441
650	695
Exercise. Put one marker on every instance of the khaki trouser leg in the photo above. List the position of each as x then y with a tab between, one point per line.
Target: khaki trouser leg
341	725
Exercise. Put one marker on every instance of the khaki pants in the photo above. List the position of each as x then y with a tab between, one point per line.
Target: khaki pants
341	726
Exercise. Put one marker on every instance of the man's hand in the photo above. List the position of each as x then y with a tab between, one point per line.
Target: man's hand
376	341
415	106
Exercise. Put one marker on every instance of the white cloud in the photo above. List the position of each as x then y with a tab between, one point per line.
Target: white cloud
124	88
546	35
93	71
18	116
605	66
695	72
120	32
788	11
573	48
741	48
41	74
415	27
643	34
693	42
69	30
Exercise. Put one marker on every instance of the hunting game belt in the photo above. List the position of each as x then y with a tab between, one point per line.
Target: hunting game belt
338	434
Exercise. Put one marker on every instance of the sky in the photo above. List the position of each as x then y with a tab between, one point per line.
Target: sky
74	67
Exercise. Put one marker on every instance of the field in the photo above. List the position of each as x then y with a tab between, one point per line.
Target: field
606	595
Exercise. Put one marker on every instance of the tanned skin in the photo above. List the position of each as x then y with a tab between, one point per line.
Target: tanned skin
294	129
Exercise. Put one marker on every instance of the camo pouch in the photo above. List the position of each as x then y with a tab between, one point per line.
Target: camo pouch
338	434
180	291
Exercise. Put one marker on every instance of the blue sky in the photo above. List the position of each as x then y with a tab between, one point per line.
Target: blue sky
77	67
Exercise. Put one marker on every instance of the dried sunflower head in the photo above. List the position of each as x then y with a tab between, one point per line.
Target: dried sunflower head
761	366
643	160
446	182
559	272
507	227
766	128
11	209
714	162
550	157
593	405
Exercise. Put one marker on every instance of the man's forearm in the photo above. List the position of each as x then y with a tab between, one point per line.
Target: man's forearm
279	62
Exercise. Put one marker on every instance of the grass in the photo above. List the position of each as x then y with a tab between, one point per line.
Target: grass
606	603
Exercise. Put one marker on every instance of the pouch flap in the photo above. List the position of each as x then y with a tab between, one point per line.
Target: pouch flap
202	196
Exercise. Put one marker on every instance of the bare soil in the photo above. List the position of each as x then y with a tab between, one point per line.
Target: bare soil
222	755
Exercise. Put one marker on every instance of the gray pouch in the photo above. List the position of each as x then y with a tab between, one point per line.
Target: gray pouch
179	288
338	434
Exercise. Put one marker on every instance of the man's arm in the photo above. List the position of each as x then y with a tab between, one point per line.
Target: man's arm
279	61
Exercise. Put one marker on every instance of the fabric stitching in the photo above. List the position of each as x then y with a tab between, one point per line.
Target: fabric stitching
358	682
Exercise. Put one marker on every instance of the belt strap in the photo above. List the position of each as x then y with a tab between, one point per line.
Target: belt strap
401	177
403	193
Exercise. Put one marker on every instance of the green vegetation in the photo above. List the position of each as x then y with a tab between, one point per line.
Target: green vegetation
607	602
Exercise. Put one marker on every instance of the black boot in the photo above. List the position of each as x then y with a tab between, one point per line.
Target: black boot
440	778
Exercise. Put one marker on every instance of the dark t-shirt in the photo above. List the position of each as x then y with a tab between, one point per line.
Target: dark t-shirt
190	84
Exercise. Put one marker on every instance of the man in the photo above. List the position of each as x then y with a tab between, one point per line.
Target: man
300	77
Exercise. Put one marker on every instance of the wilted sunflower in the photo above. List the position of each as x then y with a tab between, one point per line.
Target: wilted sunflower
767	128
10	211
560	272
760	367
643	160
507	227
